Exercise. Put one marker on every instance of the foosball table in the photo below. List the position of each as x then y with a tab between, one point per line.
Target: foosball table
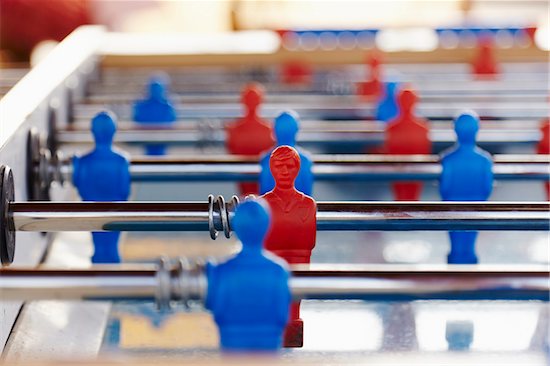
310	199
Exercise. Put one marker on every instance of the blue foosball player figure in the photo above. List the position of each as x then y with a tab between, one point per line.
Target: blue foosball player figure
387	108
286	127
467	176
103	175
155	109
249	294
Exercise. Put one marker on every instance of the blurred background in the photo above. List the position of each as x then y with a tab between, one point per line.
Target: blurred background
26	23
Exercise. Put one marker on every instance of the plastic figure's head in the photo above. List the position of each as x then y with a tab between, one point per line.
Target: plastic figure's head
391	88
485	41
284	164
103	128
407	100
466	127
286	127
157	89
374	60
252	95
251	222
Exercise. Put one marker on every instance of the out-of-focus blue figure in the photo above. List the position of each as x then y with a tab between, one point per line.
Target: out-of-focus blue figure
249	294
286	127
103	175
155	109
467	176
388	108
459	335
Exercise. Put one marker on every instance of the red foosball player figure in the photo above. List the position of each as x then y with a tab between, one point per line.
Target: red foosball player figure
406	135
485	65
543	147
296	72
293	226
250	135
372	89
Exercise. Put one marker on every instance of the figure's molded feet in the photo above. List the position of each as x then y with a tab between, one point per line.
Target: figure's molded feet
407	191
103	258
155	150
294	334
461	258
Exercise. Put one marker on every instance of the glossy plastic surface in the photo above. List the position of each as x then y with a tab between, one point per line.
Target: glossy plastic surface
466	176
286	127
407	135
250	135
155	108
296	72
372	88
249	293
485	64
103	175
387	108
543	147
293	225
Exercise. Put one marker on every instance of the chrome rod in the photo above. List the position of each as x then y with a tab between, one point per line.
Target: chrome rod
307	138
377	283
64	284
230	168
402	282
350	216
328	83
426	96
350	110
510	70
308	125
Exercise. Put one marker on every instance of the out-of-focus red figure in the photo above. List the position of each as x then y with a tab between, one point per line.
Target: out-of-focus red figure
372	88
543	147
296	72
407	135
25	23
293	226
250	135
485	64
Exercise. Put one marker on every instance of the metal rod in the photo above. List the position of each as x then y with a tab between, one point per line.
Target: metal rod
139	75
350	110
375	283
307	138
400	283
308	125
231	168
63	284
337	83
425	96
351	216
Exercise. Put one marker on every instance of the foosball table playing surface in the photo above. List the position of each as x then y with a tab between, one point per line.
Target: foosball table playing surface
366	207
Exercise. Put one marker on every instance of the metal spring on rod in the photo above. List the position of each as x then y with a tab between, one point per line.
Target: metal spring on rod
183	281
219	206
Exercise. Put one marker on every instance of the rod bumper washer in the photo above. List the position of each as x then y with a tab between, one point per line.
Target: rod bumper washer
7	227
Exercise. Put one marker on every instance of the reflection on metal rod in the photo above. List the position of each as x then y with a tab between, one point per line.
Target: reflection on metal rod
306	138
126	97
336	110
326	168
187	281
199	216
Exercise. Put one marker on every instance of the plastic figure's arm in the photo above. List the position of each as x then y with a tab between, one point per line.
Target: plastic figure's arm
212	280
283	308
173	117
266	179
126	186
489	178
76	171
444	181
